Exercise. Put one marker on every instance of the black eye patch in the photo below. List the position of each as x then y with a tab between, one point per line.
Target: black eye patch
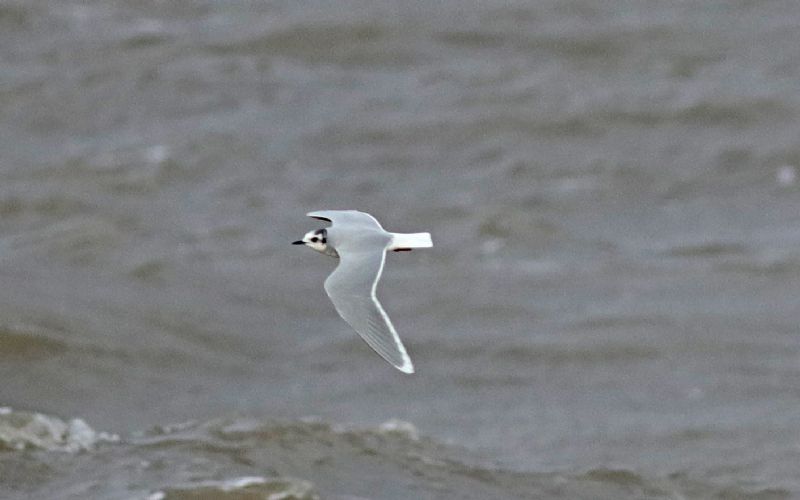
314	239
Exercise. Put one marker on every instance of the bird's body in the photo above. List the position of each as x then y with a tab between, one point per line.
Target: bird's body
360	243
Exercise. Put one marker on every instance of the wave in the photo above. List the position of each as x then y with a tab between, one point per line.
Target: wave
21	430
242	457
242	487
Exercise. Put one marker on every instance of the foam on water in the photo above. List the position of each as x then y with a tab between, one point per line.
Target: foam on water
21	430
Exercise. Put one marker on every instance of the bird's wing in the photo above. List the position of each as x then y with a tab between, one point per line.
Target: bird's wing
351	288
350	217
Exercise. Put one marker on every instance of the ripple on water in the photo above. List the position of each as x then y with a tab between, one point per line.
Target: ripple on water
28	343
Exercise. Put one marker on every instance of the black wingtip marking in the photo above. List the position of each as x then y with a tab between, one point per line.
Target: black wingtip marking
320	218
402	249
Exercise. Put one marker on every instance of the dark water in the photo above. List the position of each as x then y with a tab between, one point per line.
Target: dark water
610	311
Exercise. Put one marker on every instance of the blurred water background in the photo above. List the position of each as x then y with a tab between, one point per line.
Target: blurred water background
610	311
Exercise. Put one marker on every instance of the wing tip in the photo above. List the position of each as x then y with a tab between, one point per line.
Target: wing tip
407	367
315	215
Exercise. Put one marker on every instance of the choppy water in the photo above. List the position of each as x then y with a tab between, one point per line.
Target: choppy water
611	310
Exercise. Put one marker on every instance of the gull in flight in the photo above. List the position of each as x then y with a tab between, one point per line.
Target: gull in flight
360	243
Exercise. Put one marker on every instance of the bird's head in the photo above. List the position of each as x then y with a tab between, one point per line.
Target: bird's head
316	240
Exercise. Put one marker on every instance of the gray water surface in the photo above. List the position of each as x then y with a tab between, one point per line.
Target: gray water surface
610	310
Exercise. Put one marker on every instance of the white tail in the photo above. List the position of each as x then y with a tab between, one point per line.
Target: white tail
407	241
